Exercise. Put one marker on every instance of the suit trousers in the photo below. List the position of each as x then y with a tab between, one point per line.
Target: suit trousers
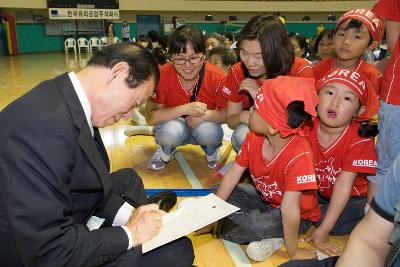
175	254
128	182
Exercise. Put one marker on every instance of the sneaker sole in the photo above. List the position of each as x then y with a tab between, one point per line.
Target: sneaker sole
155	169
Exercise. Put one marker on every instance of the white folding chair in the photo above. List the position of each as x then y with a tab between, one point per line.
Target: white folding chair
103	41
70	43
83	43
116	40
94	42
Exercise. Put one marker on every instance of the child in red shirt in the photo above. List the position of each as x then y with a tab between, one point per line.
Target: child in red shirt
282	202
356	31
344	153
265	53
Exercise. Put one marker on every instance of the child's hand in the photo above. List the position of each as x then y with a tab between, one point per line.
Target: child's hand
244	116
318	236
194	121
195	109
329	249
304	254
211	228
321	242
250	86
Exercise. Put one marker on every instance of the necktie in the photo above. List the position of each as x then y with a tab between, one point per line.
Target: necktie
101	148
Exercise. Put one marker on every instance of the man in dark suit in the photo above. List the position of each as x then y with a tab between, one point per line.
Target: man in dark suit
59	204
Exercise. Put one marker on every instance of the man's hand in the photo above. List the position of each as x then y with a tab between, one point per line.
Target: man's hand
145	223
196	109
304	254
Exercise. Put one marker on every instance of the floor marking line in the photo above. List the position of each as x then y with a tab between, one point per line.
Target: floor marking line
194	182
238	256
235	251
180	192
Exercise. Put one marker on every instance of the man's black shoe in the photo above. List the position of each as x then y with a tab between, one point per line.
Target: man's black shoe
165	200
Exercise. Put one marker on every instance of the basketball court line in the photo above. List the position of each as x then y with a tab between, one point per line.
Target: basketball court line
235	251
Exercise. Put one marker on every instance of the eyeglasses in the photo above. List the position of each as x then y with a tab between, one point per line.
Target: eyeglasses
193	60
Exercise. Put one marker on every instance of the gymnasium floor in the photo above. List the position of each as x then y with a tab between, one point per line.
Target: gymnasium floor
18	74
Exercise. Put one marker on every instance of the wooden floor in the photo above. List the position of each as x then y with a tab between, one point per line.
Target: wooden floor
18	74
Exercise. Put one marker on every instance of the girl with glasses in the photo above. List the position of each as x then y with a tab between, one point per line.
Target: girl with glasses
186	107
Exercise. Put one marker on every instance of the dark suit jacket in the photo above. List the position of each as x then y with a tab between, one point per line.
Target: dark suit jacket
52	179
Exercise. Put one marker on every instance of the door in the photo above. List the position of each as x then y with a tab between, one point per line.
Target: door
146	23
3	38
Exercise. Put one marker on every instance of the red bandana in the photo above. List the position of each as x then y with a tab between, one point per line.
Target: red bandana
276	94
374	23
359	84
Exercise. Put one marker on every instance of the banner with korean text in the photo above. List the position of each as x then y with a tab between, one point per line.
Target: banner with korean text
81	13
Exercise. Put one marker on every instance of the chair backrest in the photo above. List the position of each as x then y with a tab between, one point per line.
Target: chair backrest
83	42
94	41
103	40
116	40
70	42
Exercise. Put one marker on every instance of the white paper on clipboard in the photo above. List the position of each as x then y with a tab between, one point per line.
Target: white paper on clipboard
189	218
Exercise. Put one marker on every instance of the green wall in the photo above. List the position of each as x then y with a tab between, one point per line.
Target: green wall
33	38
307	29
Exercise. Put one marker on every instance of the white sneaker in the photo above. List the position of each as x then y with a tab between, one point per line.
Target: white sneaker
212	160
263	249
158	160
138	130
138	118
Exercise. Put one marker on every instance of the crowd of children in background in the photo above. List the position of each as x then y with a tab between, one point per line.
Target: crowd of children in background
301	114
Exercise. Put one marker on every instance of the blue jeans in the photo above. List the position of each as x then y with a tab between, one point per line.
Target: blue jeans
388	145
255	220
174	133
238	136
351	215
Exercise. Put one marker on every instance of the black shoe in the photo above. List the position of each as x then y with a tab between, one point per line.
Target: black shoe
165	200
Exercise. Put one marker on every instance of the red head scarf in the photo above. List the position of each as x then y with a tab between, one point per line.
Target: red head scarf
276	94
359	84
374	23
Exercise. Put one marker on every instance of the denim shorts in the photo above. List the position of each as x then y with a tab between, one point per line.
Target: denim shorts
174	133
255	220
388	145
238	136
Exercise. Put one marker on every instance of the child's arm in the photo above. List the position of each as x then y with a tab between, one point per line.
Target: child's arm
290	211
157	113
339	199
229	181
235	114
217	115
